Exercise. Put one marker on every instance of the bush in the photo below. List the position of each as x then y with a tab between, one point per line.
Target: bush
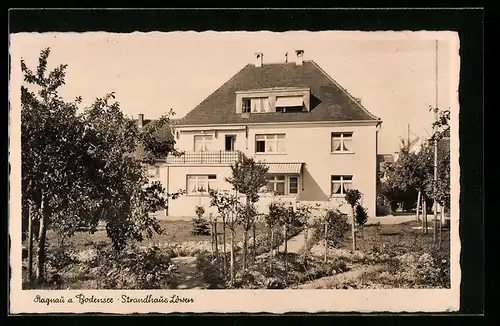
337	227
135	268
200	226
361	215
210	270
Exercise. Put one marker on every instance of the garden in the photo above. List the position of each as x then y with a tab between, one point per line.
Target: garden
90	225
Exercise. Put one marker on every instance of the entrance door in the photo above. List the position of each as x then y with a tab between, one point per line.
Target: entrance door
230	141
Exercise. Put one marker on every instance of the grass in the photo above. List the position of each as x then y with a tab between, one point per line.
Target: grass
402	237
173	231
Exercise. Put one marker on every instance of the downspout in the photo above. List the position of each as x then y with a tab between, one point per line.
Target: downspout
246	138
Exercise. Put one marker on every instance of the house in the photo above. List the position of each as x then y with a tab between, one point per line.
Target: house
383	161
317	139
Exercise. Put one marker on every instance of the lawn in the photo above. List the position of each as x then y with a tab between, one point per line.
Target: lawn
173	231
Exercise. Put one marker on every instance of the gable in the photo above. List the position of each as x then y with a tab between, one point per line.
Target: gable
328	100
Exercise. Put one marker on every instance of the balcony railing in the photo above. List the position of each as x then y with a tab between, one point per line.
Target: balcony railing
208	157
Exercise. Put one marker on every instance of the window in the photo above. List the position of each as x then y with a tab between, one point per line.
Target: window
200	183
340	184
270	143
289	104
260	105
245	105
153	171
282	185
341	141
230	140
202	143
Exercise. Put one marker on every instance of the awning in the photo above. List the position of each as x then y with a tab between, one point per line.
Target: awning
284	168
289	101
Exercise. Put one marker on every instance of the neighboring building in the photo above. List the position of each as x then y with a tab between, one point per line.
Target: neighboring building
383	160
316	138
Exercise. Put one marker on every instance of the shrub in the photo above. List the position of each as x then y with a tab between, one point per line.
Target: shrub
361	215
200	225
135	268
337	228
153	268
210	271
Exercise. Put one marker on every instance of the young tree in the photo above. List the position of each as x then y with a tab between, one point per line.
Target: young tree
246	217
413	170
213	220
233	205
247	178
332	224
304	214
441	189
352	197
272	219
361	217
224	203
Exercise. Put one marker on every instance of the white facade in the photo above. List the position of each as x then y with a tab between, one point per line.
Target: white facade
309	143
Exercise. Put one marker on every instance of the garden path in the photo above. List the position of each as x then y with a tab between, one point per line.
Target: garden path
188	275
326	282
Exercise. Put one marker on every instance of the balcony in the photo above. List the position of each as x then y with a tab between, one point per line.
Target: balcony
208	157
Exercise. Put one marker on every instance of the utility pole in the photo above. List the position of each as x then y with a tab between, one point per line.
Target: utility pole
436	116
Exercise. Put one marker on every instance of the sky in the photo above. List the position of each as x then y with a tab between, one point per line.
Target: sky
394	73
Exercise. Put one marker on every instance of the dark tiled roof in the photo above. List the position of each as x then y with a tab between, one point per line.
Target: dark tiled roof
163	133
329	101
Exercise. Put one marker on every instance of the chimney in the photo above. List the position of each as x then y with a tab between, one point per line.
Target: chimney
300	57
140	121
258	59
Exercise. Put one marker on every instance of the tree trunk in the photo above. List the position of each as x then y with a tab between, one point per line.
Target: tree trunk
285	233
224	243
326	241
305	238
41	243
435	221
216	242
30	242
212	239
232	258
285	247
424	217
441	218
419	203
254	244
271	247
353	230
245	243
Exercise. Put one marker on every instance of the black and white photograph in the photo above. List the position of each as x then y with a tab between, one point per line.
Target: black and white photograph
181	167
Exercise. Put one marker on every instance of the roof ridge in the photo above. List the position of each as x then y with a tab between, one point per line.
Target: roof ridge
215	91
343	89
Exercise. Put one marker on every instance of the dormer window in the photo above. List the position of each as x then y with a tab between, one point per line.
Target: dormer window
275	99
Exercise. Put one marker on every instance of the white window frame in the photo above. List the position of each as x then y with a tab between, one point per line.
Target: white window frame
206	142
244	108
286	181
342	181
343	135
277	141
201	181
